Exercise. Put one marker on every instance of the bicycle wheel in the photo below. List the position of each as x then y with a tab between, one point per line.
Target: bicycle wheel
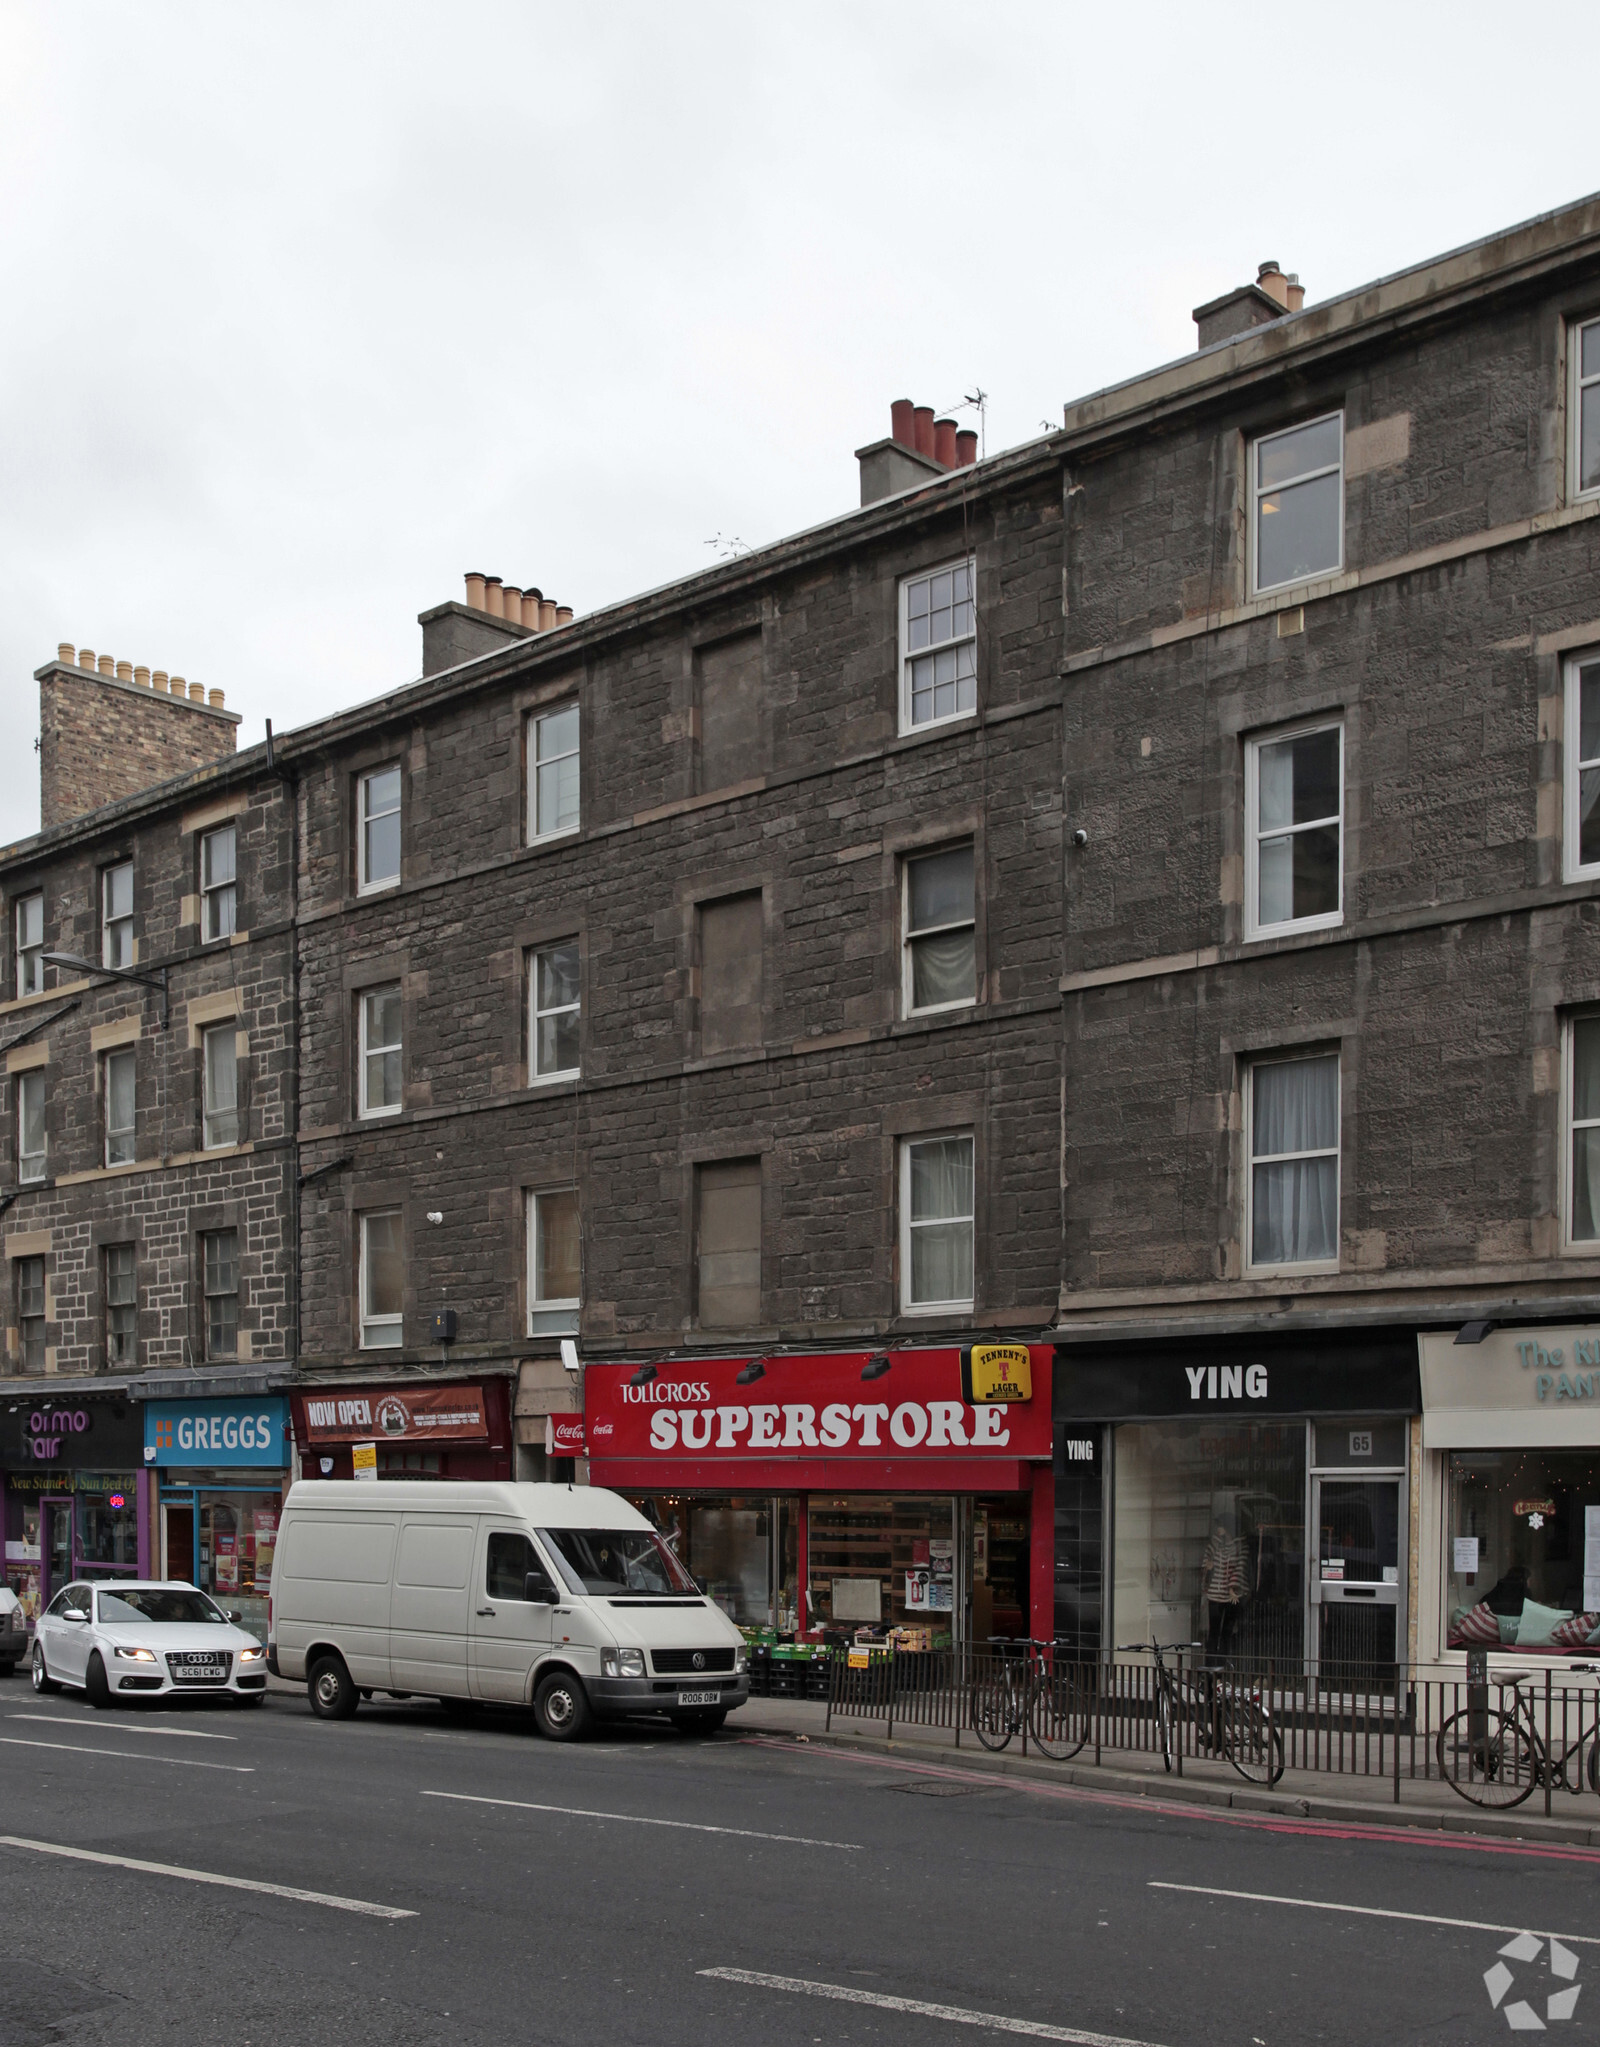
1164	1725
1250	1741
1059	1717
1497	1767
992	1713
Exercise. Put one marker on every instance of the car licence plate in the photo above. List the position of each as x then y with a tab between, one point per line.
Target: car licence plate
699	1698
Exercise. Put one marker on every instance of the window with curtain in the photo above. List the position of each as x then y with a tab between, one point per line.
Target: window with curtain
1294	1161
219	890
30	945
936	1215
940	951
221	1111
1583	1095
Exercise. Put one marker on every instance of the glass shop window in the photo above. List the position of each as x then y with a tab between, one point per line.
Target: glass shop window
879	1562
1524	1526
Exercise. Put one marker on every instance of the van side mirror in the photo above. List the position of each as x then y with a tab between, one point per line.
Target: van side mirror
537	1589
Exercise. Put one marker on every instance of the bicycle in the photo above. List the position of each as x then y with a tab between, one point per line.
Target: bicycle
1504	1755
1029	1687
1236	1725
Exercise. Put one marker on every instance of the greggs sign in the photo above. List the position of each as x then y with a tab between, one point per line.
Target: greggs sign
929	1403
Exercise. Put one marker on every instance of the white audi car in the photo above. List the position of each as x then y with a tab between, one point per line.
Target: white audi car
118	1641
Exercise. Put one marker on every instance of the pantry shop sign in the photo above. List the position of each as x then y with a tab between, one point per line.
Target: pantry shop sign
387	1414
850	1406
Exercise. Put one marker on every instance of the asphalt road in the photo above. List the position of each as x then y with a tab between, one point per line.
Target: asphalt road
596	1902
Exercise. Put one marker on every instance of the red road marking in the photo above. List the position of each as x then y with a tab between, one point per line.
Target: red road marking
1271	1823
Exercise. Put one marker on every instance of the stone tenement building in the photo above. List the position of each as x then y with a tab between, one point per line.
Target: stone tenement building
1129	899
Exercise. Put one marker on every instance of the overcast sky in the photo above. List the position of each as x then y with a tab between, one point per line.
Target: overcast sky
306	310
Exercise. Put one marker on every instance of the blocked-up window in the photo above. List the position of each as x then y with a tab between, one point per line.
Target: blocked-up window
728	1209
122	1304
1294	1161
31	1312
730	711
730	973
220	1058
219	1259
121	1073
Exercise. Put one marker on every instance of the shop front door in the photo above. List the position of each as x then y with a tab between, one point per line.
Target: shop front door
1357	1586
177	1541
56	1547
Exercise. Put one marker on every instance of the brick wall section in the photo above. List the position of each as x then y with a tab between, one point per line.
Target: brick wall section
100	739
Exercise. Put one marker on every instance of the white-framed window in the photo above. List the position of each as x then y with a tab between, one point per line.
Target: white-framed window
1292	1188
378	829
116	915
219	1269
120	1080
938	646
30	945
1581	1089
31	1148
555	1264
219	892
936	1214
1294	816
554	1011
219	1051
1585	409
382	1279
380	1050
939	948
1297	503
1580	857
553	772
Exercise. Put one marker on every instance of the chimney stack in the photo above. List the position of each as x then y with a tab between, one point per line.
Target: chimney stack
918	449
1274	293
495	615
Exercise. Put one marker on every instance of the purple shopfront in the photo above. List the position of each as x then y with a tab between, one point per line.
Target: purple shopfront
78	1502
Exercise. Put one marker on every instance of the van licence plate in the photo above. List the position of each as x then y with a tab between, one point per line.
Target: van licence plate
699	1698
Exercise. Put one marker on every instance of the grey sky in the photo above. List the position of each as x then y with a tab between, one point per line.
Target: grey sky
309	309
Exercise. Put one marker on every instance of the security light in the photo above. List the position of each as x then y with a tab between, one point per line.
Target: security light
643	1376
1474	1332
752	1372
875	1368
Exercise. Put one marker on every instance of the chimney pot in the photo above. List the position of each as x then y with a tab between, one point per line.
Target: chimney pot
547	614
902	426
197	692
923	440
966	447
475	590
1297	292
67	654
511	603
124	671
158	680
944	442
142	677
563	614
177	686
1271	280
214	698
531	602
108	665
86	658
493	602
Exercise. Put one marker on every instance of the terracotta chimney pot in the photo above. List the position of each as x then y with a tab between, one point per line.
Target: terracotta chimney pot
1271	280
67	654
944	442
1297	293
547	614
158	680
124	671
108	665
902	427
563	614
475	590
214	699
532	603
142	677
177	686
86	658
197	692
923	416
493	602
966	447
511	603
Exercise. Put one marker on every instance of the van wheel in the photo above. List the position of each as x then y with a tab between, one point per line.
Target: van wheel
95	1687
704	1720
561	1707
330	1690
42	1680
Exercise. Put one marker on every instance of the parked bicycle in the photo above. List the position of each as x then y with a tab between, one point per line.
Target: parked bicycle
1031	1684
1231	1720
1495	1756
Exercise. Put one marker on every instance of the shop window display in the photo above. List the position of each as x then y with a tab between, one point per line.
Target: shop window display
238	1534
742	1549
108	1525
879	1562
1210	1537
1522	1557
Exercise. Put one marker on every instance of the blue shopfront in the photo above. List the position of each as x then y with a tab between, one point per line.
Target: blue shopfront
221	1468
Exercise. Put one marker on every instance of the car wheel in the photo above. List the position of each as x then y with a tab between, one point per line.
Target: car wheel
96	1688
561	1707
42	1680
328	1685
704	1720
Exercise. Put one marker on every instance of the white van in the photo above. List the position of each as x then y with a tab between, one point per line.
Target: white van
559	1597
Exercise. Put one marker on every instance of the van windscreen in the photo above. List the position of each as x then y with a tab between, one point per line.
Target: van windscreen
605	1560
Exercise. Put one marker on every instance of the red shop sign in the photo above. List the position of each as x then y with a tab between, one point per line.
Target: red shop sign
802	1408
412	1414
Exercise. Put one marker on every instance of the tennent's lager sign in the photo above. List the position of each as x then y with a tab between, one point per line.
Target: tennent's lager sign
992	1373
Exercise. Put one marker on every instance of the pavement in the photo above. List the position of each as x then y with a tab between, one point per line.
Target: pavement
197	1874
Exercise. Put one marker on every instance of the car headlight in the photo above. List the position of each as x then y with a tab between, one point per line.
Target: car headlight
257	1655
135	1655
740	1658
632	1662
